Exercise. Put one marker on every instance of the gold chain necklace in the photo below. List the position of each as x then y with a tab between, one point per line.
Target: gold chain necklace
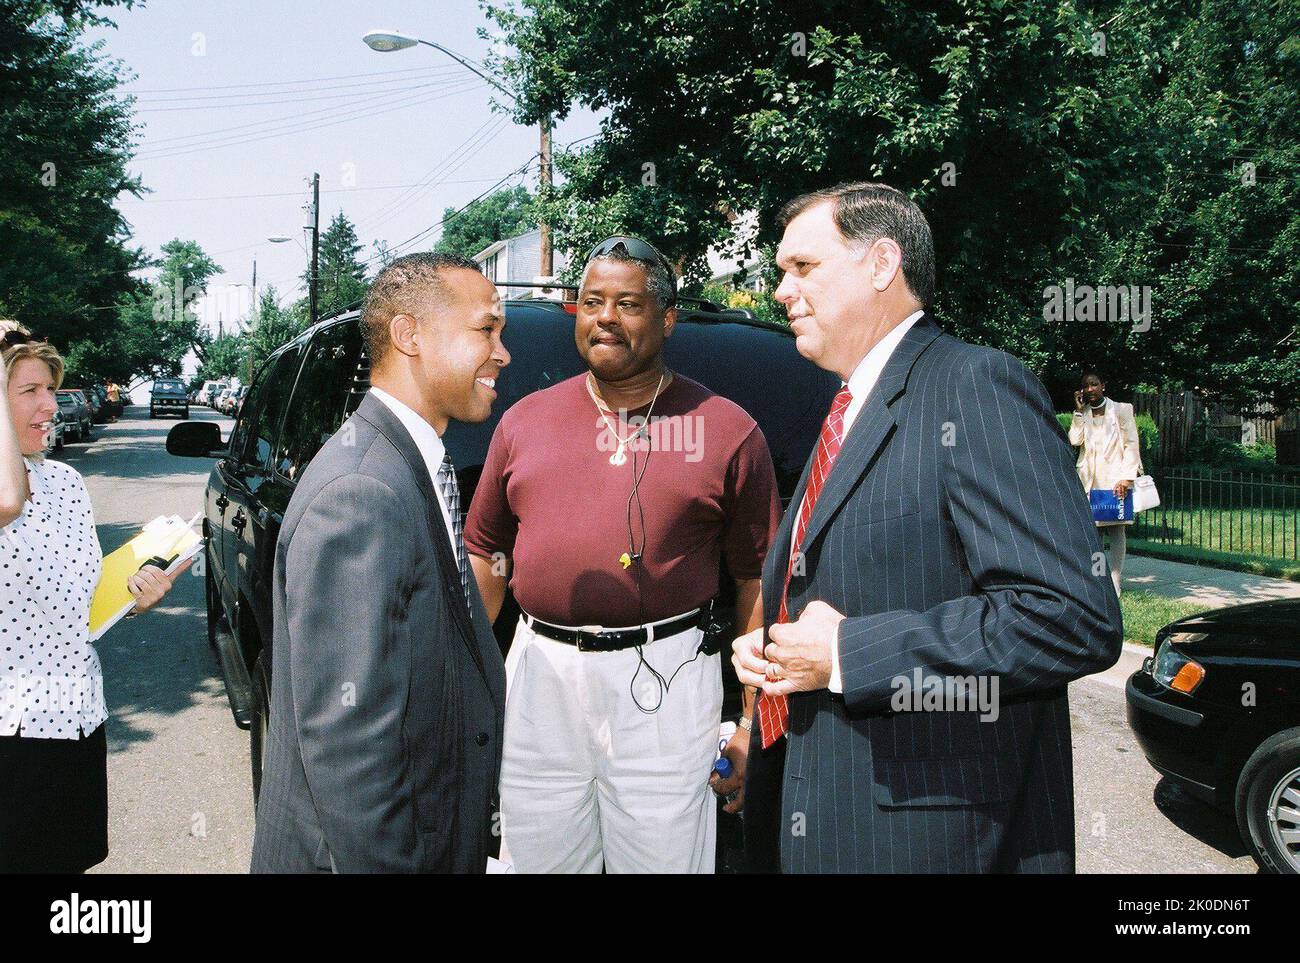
619	458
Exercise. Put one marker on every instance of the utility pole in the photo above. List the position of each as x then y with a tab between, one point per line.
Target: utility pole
313	225
252	320
544	178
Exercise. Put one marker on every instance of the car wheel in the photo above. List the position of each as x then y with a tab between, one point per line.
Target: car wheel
261	721
1268	803
58	444
185	415
152	413
213	599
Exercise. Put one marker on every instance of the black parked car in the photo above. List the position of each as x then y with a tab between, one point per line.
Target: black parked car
99	398
77	419
305	390
1217	709
168	397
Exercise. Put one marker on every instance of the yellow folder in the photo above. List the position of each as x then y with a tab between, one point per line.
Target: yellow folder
164	537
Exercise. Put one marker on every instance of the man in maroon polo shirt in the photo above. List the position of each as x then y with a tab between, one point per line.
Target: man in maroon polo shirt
607	501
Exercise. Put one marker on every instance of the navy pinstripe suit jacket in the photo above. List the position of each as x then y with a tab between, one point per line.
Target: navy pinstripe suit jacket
953	534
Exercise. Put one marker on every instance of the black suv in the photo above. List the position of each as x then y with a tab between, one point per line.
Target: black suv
305	390
168	397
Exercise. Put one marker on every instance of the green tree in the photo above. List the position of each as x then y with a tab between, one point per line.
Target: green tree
1045	139
67	137
1208	206
272	326
151	330
342	277
225	357
503	214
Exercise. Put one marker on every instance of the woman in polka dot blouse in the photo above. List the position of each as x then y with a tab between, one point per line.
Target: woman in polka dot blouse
53	755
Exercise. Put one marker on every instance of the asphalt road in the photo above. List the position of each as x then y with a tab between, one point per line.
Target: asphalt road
180	798
179	789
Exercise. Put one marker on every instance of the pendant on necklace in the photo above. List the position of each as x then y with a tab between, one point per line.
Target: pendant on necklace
619	458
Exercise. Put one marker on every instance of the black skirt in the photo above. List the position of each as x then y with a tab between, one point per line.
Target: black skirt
53	803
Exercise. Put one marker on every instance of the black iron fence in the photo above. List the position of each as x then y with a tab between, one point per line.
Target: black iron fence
1225	511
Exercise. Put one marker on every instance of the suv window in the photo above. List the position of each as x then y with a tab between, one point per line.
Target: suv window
239	447
255	433
321	397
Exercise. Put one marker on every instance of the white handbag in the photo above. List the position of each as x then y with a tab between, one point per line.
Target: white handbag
1145	495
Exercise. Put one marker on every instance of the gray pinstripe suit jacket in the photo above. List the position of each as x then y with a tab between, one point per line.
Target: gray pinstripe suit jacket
954	536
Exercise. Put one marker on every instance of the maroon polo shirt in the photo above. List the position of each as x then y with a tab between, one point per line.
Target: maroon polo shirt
550	500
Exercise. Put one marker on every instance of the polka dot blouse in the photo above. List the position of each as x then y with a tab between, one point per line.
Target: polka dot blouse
51	684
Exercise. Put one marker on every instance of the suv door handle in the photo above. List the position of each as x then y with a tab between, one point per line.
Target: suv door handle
240	519
222	502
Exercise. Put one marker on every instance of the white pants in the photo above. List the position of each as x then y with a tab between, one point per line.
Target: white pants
588	780
1118	539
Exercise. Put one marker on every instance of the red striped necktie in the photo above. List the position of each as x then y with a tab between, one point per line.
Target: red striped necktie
774	711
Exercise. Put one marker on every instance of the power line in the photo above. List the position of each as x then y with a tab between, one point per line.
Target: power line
433	227
406	77
429	177
295	129
297	117
282	83
295	97
339	190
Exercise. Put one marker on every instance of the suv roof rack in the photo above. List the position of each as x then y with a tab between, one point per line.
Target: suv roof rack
704	309
699	304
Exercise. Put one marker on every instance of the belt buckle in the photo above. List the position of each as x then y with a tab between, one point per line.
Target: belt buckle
583	632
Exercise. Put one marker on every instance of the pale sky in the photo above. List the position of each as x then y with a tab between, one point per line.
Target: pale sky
239	98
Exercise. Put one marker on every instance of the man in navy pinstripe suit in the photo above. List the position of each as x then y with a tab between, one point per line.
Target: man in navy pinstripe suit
934	587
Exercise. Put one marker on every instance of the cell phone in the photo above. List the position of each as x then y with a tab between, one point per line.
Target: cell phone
158	561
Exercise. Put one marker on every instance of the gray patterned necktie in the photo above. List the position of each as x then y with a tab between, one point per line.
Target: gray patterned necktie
451	496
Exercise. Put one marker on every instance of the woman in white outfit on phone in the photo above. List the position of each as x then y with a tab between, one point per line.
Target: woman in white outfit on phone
1105	432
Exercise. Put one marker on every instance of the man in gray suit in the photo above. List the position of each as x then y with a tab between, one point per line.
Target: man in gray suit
934	587
387	685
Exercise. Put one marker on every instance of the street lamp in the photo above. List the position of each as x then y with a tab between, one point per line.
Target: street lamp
386	41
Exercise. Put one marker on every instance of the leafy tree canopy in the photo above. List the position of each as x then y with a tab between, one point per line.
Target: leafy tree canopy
501	215
1048	141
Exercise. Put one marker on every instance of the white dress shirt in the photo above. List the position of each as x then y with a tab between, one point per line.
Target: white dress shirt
51	683
863	379
431	448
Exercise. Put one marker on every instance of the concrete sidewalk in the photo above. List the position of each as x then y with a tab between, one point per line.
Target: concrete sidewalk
1201	584
1212	587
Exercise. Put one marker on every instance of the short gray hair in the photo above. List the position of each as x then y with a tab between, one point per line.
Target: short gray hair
865	212
659	280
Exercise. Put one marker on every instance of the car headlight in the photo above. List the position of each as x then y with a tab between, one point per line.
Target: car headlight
1175	670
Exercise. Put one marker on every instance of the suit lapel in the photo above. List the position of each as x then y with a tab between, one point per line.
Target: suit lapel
375	412
871	428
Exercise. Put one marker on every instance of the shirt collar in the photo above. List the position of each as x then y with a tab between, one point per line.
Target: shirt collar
425	436
867	373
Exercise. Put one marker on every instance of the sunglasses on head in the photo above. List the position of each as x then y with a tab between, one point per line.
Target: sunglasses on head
14	338
633	247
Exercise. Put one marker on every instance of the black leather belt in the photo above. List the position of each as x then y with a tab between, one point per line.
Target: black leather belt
612	640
